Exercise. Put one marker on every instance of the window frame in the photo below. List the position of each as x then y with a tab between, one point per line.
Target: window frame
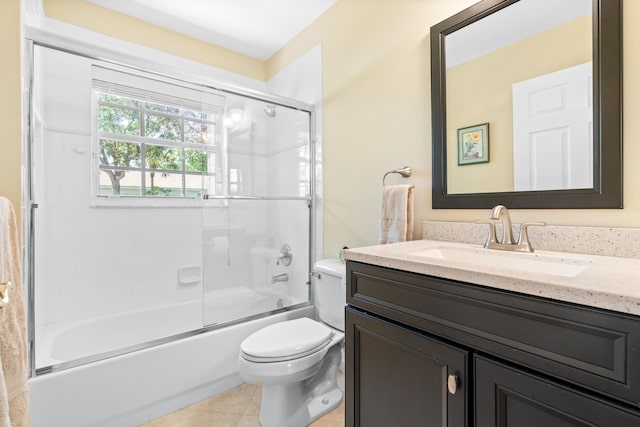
210	118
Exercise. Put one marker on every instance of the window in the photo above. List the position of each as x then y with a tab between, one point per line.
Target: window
153	144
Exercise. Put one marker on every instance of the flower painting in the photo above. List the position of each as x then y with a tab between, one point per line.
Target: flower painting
473	144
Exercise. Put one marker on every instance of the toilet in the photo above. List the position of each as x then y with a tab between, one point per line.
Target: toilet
297	360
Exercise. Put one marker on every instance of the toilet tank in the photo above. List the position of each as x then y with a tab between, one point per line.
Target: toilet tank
331	292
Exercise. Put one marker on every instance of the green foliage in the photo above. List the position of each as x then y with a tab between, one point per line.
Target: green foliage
124	116
158	191
158	157
165	127
117	153
118	120
197	161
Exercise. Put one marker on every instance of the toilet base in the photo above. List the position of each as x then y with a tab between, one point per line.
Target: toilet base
297	404
322	405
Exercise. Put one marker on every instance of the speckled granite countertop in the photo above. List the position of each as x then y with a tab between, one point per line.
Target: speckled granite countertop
608	282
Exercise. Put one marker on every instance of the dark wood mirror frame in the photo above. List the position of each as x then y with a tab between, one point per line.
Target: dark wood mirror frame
607	123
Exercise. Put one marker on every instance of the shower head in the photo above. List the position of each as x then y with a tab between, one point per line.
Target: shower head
270	110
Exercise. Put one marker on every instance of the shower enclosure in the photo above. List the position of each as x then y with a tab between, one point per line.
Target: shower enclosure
161	209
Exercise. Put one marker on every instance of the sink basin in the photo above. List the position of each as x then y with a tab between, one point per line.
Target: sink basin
480	258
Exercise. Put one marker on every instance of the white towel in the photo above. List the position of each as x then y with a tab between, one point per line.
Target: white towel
14	391
396	220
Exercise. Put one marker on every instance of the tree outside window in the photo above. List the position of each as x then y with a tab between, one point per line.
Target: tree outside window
149	149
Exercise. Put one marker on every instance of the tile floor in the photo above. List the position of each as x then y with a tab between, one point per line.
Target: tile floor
238	407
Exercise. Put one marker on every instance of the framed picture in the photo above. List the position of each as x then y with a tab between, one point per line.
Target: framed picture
473	144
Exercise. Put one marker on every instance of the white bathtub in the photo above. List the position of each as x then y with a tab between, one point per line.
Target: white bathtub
68	341
72	340
133	388
227	304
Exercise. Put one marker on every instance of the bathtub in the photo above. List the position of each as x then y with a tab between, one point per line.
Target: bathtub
73	340
70	341
133	388
227	304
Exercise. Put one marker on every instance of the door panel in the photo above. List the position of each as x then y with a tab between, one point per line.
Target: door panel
508	397
552	130
398	377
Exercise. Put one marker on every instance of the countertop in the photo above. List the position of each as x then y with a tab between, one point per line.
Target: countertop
611	283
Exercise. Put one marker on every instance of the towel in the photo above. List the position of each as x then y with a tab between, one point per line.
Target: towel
14	375
396	221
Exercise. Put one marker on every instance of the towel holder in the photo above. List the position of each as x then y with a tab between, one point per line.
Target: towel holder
405	172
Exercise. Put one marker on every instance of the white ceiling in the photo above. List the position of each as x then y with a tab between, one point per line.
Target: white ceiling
516	22
258	28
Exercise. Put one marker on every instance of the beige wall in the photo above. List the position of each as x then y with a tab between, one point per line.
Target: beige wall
106	21
10	103
479	91
377	115
376	107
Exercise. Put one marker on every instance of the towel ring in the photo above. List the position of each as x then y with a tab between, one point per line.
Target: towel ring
405	172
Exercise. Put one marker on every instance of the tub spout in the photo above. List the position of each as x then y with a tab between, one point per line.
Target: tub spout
279	278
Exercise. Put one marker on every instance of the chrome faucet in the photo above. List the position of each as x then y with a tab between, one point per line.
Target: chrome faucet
501	213
279	278
285	256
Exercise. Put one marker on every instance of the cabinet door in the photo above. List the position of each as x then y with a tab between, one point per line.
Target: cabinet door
398	377
508	397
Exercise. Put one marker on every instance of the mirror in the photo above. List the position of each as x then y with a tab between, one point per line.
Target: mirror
526	105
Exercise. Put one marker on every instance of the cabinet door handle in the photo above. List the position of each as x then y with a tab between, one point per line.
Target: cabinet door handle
452	383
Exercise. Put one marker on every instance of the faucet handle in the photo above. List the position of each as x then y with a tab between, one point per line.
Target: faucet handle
523	241
491	238
285	255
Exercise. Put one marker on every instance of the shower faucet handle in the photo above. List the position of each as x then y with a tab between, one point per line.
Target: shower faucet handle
285	256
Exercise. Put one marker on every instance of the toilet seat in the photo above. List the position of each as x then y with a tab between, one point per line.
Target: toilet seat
287	340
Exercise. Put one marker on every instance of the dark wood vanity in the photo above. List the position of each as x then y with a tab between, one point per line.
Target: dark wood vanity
428	351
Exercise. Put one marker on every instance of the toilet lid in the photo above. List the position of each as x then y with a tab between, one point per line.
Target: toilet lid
287	338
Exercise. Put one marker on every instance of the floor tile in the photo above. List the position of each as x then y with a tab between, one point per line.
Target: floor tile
248	421
238	407
254	405
234	401
195	419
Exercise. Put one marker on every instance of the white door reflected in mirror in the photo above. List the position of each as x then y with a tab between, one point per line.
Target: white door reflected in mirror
553	130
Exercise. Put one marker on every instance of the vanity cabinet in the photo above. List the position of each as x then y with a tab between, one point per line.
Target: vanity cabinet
402	375
427	351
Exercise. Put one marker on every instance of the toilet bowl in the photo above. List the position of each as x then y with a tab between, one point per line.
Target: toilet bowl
296	361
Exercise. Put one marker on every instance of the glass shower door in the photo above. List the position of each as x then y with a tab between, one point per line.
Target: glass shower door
167	221
256	236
